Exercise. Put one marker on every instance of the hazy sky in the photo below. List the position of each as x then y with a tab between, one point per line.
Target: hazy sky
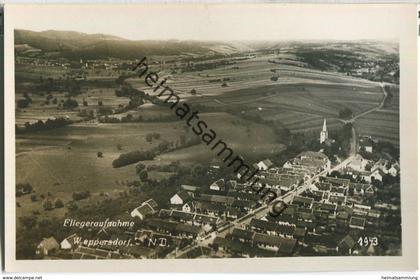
218	22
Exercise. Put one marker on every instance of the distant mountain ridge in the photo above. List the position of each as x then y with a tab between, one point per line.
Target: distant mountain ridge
74	45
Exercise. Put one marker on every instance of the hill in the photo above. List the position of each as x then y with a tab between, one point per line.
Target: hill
74	45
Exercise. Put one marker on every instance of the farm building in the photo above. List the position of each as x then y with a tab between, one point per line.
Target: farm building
47	246
264	164
180	198
146	208
70	242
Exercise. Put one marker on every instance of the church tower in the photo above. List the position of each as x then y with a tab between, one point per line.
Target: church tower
324	133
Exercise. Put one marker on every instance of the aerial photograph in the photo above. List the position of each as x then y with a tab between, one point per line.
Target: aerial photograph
181	149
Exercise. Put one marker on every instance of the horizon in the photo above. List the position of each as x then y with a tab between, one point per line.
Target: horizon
384	40
219	22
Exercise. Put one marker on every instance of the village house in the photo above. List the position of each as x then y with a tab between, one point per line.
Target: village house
317	158
264	164
139	252
358	163
342	221
70	243
47	246
189	207
394	170
376	174
180	198
218	185
192	190
279	244
358	189
361	210
357	223
195	219
368	149
221	199
272	228
369	191
366	144
148	207
303	201
346	245
245	236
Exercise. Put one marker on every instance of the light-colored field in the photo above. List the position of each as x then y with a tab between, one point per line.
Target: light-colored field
45	160
38	110
299	107
57	168
252	140
98	86
382	125
245	74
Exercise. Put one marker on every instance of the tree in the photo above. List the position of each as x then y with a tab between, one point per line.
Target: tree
163	146
133	157
33	198
119	147
47	205
183	140
80	195
22	189
28	222
99	154
345	113
100	103
139	167
58	203
70	104
72	206
149	138
22	103
143	175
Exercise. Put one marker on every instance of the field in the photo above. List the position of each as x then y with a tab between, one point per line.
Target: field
260	140
383	124
299	99
65	160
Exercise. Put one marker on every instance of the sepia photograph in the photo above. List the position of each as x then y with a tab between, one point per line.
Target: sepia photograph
181	132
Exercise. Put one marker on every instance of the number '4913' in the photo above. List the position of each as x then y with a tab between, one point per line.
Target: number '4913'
366	241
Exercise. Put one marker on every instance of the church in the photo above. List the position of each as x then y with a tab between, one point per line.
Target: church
324	133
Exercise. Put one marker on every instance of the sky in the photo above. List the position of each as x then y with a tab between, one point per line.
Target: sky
228	22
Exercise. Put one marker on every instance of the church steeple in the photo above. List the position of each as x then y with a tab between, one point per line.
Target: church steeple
324	133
